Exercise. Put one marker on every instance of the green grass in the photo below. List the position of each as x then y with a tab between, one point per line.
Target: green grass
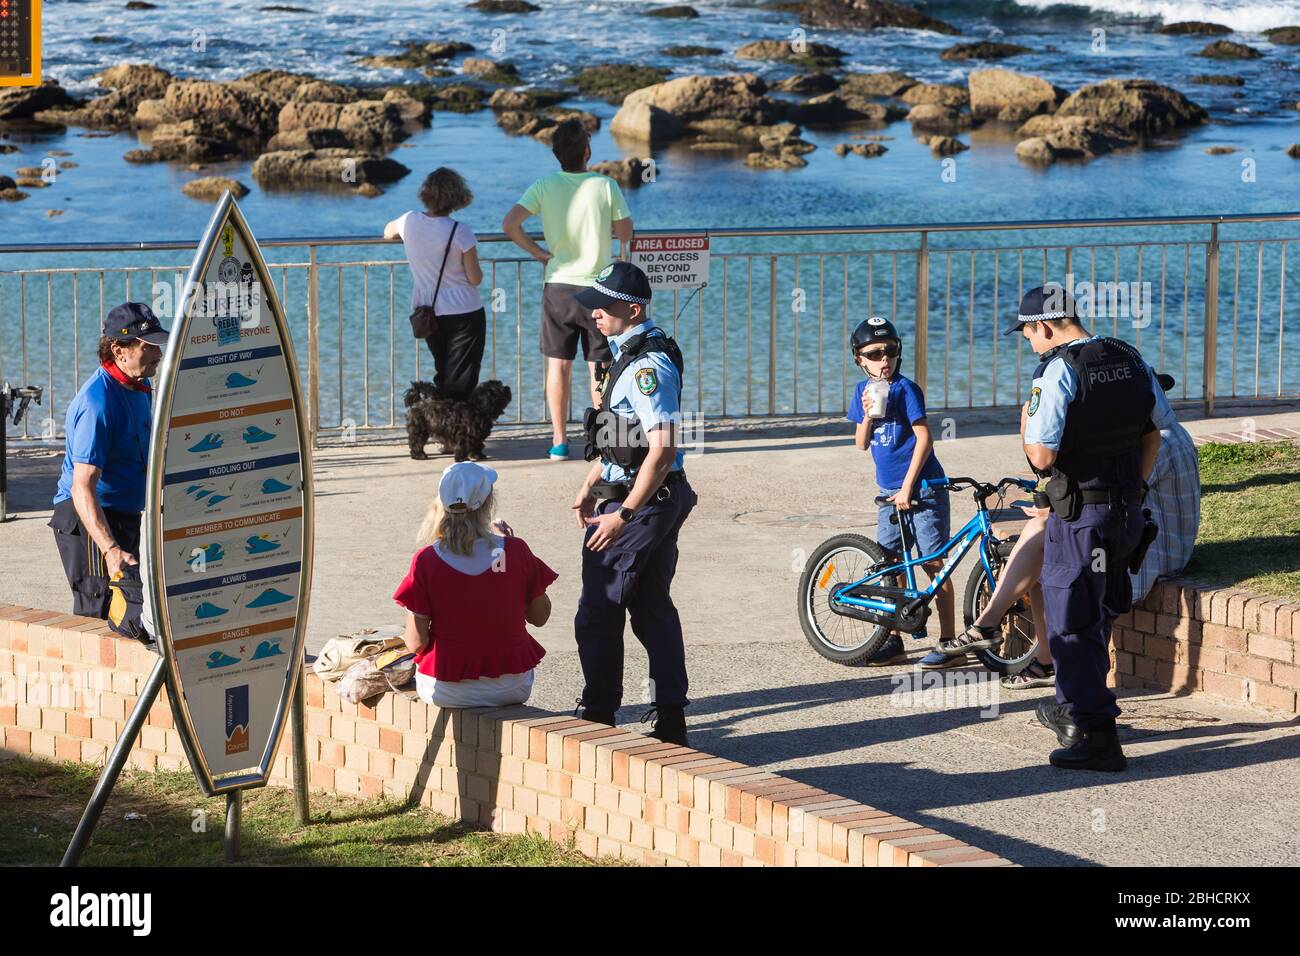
1250	518
41	802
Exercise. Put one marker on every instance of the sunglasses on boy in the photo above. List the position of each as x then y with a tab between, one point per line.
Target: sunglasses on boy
876	354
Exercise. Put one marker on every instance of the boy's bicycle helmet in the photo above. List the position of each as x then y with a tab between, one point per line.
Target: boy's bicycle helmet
872	330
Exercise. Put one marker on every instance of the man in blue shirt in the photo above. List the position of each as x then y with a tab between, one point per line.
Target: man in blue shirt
632	506
101	489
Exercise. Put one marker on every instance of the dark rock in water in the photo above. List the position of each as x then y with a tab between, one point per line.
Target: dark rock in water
141	5
369	190
945	145
503	6
983	51
1227	50
766	160
1287	36
1049	138
811	54
808	83
13	194
457	98
315	138
526	100
30	172
281	84
239	111
870	15
418	55
1141	107
1293	150
541	126
213	187
940	94
325	167
834	109
626	172
192	140
6	182
106	39
892	83
282	8
1215	79
24	102
941	119
503	73
1220	150
689	50
613	81
1011	97
865	150
1194	28
6	148
676	12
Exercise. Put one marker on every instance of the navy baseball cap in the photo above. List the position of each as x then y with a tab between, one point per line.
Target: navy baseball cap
1042	302
617	282
134	320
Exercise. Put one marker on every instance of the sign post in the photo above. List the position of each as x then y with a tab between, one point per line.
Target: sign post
672	262
228	528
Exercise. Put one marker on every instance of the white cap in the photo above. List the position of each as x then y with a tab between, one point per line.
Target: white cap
466	483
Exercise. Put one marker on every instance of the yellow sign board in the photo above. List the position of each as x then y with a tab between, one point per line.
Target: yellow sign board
20	42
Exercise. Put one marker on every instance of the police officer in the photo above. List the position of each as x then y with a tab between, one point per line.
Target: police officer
1088	432
632	506
100	495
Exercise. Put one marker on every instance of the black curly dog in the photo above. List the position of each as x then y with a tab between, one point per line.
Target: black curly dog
461	426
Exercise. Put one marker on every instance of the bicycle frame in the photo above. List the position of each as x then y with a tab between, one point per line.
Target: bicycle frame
978	528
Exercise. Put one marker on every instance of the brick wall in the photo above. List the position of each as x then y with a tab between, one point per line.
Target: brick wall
1231	643
67	684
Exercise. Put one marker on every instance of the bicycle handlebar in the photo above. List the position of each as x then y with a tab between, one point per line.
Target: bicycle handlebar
982	489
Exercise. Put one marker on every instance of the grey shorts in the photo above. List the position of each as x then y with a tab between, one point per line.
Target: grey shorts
565	322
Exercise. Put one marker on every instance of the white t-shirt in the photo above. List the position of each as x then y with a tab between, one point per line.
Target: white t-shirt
425	239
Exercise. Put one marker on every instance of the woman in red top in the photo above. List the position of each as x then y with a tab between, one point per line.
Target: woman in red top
468	596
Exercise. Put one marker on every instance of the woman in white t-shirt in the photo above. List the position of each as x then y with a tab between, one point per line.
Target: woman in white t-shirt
428	236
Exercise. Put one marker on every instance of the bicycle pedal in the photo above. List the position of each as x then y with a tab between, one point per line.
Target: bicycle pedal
920	635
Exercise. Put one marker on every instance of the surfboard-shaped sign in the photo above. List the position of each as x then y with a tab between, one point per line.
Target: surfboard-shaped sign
228	521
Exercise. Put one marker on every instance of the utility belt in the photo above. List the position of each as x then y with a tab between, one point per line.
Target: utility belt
1066	499
619	490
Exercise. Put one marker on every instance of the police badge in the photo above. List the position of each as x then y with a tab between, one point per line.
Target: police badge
646	381
1034	395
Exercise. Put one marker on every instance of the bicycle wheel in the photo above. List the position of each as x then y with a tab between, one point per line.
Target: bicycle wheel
842	559
1019	645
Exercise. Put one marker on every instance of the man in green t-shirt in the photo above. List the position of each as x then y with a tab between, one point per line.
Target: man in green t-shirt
581	213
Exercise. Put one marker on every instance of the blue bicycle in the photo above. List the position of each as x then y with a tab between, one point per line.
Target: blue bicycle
853	592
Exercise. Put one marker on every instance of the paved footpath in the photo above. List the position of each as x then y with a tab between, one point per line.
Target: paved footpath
1208	783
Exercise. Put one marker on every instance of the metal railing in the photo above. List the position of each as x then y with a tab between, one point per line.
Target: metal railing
752	335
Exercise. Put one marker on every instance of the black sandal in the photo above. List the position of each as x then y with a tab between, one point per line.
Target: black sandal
974	638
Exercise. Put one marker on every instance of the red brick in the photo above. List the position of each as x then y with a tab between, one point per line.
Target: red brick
1271	647
390	741
1160	649
108	651
66	748
1144	622
731	858
1284	675
1276	698
1233	688
1208	658
331	753
322	776
18	740
1243	665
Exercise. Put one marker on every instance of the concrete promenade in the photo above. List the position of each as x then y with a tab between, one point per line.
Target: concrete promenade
1208	783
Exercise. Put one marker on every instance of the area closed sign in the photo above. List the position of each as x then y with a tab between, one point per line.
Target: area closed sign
673	262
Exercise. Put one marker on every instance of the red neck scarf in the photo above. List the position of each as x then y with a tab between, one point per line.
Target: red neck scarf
126	381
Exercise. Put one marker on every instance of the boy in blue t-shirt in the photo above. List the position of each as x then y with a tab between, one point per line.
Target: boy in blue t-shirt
903	451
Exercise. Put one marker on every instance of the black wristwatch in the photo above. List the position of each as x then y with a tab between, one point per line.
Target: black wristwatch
626	513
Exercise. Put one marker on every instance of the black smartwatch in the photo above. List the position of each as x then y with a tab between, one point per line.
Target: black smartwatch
626	513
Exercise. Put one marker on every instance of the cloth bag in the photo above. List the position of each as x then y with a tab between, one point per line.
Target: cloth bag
341	653
377	674
424	320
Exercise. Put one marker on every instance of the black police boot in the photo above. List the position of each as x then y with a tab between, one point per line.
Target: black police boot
594	714
1094	750
1056	718
669	725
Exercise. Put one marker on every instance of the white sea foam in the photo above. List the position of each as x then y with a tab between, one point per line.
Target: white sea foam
1244	16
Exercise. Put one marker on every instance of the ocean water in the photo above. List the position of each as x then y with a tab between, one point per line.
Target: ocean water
106	199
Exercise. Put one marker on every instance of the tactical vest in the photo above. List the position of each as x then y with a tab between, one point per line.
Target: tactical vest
610	436
1105	421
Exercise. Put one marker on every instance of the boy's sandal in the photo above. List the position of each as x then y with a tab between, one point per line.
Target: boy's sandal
974	638
1035	674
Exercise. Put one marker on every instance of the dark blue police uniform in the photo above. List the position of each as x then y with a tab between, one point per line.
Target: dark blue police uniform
633	576
1091	402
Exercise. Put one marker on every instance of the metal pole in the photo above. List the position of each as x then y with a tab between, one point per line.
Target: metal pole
1211	316
922	309
113	768
234	803
771	342
4	456
313	346
301	805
